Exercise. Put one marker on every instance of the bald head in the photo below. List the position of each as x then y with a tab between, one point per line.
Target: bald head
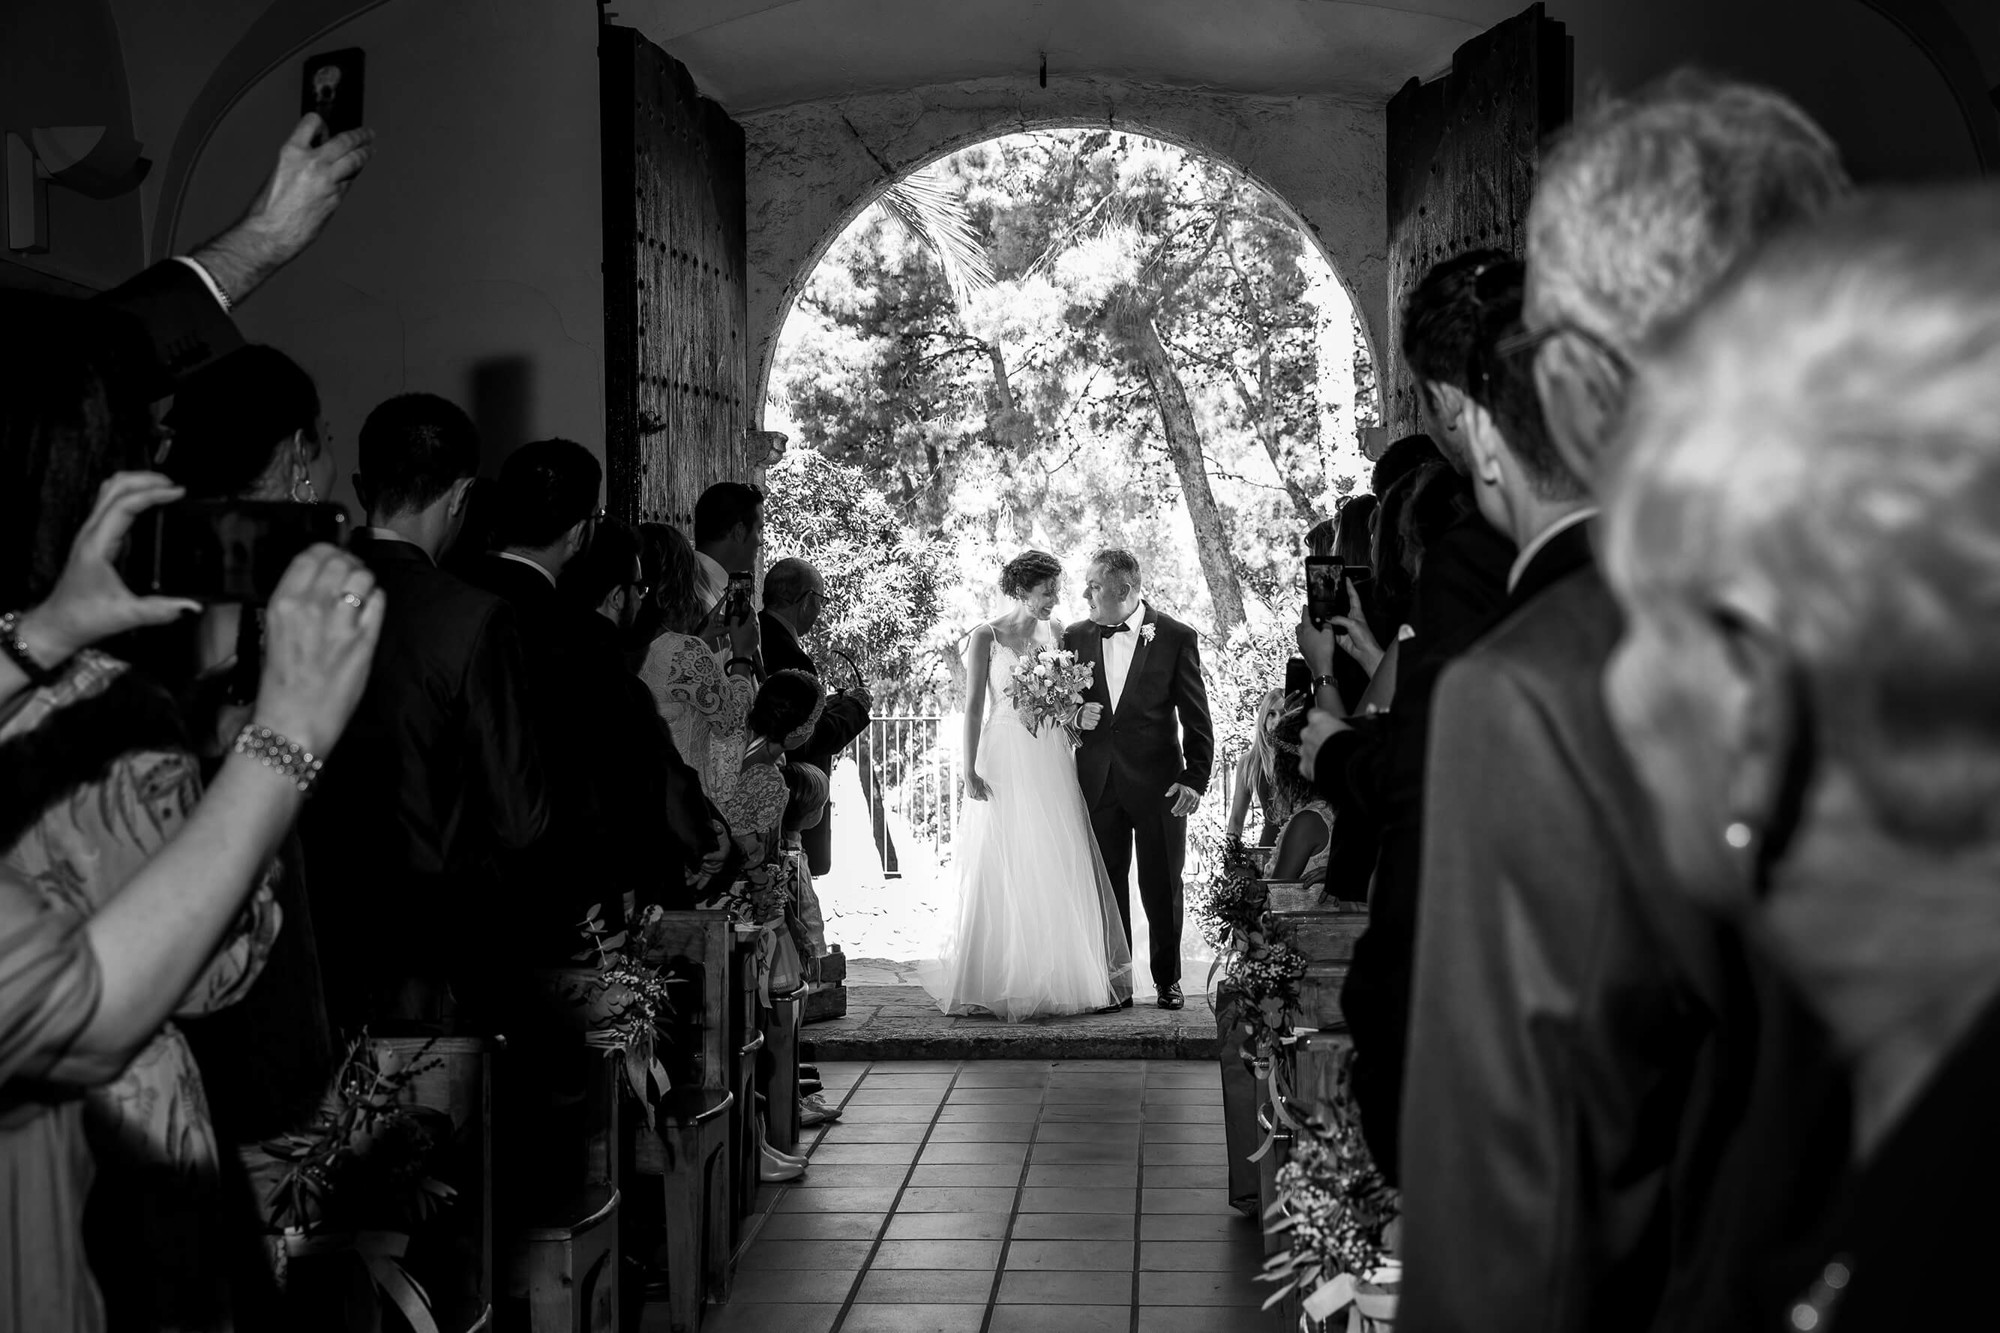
795	593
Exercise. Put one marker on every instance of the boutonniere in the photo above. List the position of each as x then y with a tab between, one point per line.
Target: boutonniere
1147	631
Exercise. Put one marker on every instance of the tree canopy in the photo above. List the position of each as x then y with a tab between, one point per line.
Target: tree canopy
1070	340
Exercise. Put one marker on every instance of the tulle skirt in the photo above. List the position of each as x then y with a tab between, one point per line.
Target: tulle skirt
1037	931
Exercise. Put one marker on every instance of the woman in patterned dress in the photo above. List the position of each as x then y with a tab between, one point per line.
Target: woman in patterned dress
118	879
705	700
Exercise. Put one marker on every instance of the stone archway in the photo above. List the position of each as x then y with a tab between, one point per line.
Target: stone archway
814	167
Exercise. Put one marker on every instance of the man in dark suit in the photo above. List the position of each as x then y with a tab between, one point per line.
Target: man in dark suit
1585	1042
439	776
794	596
1372	770
658	825
545	506
1147	750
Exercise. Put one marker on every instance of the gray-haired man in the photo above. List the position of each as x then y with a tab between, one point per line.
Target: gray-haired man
1584	1045
1145	762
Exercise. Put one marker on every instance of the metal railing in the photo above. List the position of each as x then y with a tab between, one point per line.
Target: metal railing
910	778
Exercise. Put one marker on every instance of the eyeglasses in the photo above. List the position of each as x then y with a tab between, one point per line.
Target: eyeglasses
1530	341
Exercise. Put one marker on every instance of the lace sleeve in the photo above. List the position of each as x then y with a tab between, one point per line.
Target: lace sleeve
689	685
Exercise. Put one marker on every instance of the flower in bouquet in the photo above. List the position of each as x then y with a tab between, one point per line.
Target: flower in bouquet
1049	687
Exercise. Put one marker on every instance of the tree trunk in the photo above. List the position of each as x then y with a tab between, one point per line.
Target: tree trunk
1267	433
1184	447
1014	431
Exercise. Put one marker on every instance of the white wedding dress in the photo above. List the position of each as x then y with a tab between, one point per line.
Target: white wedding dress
1037	931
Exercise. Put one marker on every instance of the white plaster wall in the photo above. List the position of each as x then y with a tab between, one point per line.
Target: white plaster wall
814	166
467	258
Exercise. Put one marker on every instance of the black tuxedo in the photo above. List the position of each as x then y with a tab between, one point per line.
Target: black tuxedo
1584	1042
839	724
1157	736
438	776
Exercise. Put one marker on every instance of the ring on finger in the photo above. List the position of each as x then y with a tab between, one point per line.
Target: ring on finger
352	598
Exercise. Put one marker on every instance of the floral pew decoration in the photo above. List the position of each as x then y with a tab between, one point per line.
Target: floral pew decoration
1339	1217
357	1186
626	1000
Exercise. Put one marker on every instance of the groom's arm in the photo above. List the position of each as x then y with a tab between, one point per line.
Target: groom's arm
1191	702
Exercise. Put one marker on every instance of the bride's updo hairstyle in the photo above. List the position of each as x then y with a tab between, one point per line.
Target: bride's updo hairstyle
1027	571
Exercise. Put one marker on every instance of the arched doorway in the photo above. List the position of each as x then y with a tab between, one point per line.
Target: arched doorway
1062	339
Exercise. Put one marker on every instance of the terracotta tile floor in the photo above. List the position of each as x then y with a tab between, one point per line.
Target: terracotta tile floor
1000	1196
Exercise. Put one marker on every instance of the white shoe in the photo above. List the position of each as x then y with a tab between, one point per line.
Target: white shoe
813	1112
773	1169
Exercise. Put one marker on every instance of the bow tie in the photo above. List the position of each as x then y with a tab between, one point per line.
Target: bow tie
1106	631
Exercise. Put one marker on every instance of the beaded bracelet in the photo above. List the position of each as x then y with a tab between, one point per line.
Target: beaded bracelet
16	648
288	758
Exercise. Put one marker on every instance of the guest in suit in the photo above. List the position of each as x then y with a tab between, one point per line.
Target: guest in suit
1446	564
659	828
728	533
1803	532
545	507
794	597
1583	1042
1145	764
441	767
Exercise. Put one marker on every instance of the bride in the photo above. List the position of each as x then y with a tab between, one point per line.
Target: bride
1037	929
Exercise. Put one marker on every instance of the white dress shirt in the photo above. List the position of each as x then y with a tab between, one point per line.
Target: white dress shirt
523	560
1118	650
714	581
1543	538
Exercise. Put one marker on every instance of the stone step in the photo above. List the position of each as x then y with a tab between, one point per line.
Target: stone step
902	1022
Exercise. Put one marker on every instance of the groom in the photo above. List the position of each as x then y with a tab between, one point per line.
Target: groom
1146	750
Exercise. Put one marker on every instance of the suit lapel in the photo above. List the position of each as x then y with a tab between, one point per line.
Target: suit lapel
1091	650
1140	651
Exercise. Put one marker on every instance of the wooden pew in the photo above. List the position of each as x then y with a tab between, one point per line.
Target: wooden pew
563	1272
453	1257
746	1037
693	1153
1325	933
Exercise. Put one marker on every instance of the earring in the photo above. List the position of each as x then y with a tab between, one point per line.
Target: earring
1738	835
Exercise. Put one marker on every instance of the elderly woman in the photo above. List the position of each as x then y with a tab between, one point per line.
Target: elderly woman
1805	535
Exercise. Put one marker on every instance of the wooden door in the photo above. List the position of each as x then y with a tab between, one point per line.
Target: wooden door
1462	154
676	316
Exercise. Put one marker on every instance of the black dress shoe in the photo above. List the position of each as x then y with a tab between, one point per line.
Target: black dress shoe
1171	998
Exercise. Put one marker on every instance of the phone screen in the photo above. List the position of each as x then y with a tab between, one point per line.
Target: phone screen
333	84
1326	592
223	550
737	606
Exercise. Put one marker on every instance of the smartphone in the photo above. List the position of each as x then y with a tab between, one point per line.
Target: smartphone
223	550
333	83
1326	588
736	603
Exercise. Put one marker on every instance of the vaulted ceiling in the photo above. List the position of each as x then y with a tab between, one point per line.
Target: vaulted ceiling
754	54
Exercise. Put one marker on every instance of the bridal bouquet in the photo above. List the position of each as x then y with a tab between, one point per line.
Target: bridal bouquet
1048	687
